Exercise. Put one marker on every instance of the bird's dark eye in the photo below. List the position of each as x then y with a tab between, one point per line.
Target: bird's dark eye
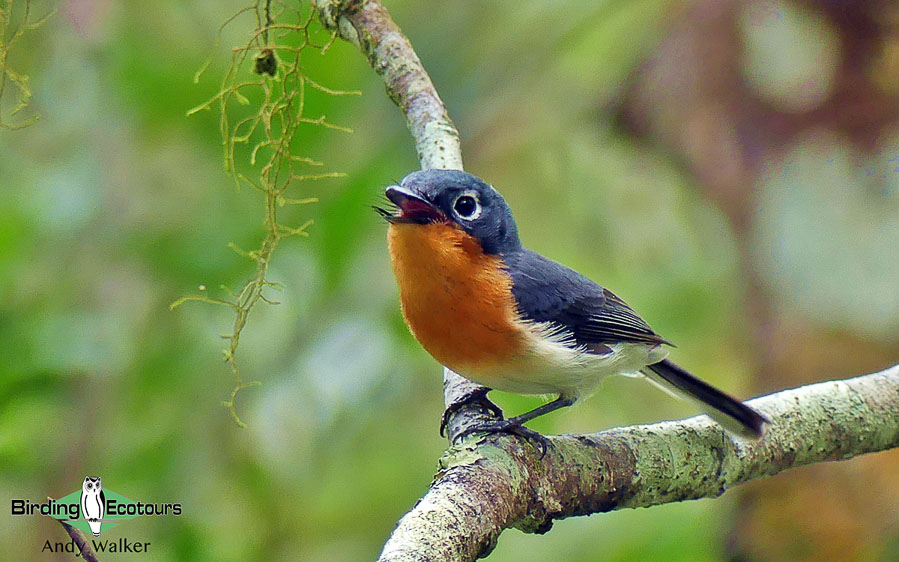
467	207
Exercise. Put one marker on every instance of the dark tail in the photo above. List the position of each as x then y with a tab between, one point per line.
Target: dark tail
732	414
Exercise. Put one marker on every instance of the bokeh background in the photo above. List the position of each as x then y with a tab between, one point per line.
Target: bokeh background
730	168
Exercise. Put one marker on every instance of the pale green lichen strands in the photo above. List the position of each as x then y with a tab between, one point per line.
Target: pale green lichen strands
267	68
16	18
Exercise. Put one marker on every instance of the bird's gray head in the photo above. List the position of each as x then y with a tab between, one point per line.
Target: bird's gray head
457	198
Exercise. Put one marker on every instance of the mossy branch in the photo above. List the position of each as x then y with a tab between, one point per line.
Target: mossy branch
487	485
367	25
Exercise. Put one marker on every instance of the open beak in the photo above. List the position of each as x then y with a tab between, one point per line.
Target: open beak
412	207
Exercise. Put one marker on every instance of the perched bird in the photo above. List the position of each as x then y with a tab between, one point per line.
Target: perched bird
512	320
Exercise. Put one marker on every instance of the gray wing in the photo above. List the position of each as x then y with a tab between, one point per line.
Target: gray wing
547	291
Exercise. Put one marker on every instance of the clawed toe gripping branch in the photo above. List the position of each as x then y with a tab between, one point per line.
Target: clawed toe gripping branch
487	485
476	397
511	426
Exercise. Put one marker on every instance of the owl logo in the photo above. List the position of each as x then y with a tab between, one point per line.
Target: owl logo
93	503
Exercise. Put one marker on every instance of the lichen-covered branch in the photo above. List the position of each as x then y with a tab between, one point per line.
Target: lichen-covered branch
487	486
368	25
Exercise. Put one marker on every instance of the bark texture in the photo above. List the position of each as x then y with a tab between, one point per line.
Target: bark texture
367	25
487	485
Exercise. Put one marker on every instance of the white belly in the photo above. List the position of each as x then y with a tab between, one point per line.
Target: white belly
549	366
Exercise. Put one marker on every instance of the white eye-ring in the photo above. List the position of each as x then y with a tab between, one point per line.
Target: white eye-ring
467	206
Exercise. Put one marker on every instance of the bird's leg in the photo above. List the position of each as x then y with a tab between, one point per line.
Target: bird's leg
477	396
515	427
560	402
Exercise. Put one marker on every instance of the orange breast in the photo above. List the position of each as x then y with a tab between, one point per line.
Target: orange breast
456	300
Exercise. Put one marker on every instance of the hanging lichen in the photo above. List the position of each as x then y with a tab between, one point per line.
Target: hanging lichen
270	129
12	28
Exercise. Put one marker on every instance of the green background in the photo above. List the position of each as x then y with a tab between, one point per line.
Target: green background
115	204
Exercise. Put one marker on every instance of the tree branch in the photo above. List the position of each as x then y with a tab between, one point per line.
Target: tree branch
489	484
498	482
367	25
85	549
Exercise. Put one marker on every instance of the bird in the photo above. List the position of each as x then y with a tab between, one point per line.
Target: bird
93	503
509	319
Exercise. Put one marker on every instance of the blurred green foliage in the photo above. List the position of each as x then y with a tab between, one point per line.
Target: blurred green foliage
115	205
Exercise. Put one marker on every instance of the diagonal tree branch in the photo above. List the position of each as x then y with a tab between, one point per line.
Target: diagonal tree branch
367	25
489	484
85	549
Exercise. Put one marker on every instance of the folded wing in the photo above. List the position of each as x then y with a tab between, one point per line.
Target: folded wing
547	291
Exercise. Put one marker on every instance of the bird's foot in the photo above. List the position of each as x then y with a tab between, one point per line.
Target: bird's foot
511	427
478	396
